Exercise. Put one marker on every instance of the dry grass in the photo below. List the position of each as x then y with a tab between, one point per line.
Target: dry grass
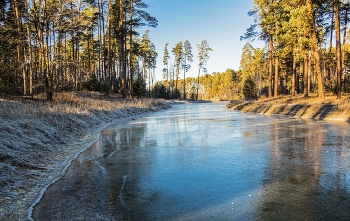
38	138
67	103
329	108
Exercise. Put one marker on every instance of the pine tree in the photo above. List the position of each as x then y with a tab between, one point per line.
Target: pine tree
178	53
203	56
166	70
338	46
187	56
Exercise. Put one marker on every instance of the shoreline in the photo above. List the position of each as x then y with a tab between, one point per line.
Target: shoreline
29	166
328	109
63	172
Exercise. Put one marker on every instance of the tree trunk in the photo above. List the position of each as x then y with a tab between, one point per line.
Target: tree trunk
270	66
48	73
275	94
131	71
103	41
55	56
122	48
109	29
199	72
172	86
43	67
77	60
20	49
309	72
331	34
149	82
42	55
344	34
177	76
259	85
184	88
167	80
315	50
338	49
301	68
305	77
30	61
294	71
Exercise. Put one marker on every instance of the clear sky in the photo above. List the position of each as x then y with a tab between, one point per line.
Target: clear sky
220	22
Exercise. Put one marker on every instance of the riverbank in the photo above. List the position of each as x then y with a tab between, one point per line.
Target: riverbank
38	139
327	109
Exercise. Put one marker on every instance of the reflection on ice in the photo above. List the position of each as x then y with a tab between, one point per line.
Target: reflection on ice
197	162
240	206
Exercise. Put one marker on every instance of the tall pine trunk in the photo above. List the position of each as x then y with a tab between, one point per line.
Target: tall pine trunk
122	48
305	77
199	72
20	48
109	24
131	71
167	80
309	72
344	34
30	61
275	93
294	70
184	87
338	49
270	66
315	50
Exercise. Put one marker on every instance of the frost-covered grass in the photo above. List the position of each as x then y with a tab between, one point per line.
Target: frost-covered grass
37	140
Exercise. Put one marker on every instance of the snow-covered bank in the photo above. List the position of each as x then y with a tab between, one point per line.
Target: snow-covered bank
38	140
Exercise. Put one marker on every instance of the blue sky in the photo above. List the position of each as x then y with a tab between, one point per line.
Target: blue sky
220	22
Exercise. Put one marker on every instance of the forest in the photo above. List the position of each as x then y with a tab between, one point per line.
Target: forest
52	46
48	46
307	48
306	52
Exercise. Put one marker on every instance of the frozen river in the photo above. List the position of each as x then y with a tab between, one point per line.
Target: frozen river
204	162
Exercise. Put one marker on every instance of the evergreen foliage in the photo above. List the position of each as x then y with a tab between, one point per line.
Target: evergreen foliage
220	86
299	56
50	46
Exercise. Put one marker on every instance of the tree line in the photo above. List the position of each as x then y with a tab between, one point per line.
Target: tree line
219	86
183	56
48	46
227	85
299	56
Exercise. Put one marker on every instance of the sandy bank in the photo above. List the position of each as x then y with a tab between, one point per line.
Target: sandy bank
328	109
38	140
